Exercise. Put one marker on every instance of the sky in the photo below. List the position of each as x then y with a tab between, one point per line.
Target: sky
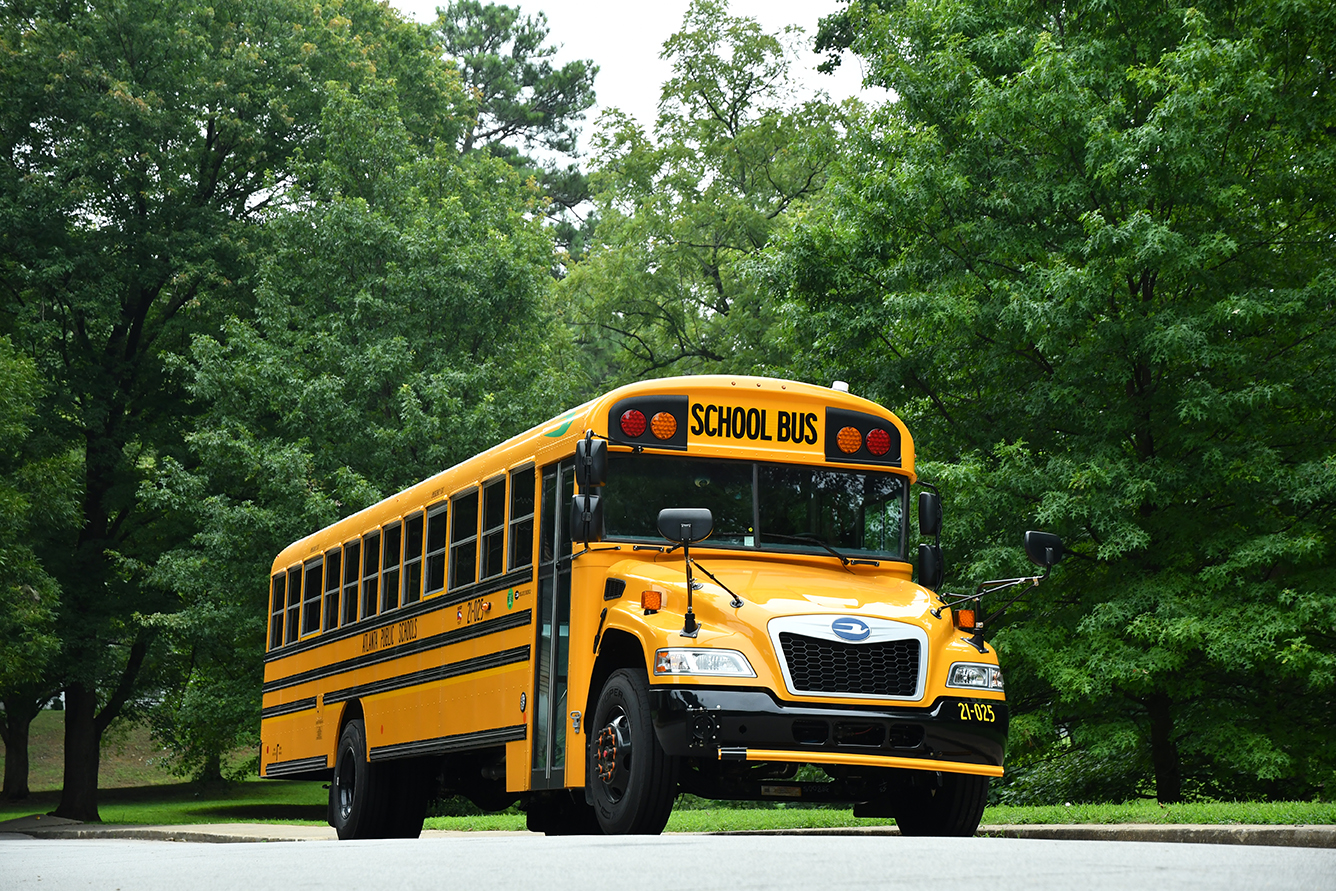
625	38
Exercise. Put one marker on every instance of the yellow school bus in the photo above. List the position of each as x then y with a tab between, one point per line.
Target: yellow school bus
696	584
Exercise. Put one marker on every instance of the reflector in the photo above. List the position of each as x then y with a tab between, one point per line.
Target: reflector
849	439
633	422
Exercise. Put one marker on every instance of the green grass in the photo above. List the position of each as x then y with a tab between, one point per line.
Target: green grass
257	801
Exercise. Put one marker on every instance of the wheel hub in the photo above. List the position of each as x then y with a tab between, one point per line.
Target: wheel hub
612	755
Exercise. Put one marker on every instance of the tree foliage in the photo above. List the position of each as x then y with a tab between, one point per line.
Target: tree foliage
140	146
683	210
1087	252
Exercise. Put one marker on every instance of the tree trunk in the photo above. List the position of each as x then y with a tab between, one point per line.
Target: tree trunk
1163	749
83	752
212	771
18	718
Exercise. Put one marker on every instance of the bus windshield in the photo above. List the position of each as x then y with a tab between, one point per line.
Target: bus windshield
778	507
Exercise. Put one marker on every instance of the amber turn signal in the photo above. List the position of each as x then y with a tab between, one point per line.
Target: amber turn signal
651	601
964	618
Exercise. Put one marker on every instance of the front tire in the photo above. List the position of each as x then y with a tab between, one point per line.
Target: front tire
952	807
631	780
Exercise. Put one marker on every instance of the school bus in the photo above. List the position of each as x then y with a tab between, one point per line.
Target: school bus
695	584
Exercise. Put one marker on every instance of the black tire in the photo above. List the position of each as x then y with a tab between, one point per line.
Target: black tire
951	808
357	805
631	780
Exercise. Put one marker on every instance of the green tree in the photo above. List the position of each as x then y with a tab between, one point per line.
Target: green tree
141	145
1087	252
683	211
398	328
36	492
520	103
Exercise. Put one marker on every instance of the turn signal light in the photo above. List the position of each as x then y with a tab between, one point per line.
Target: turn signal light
651	601
849	440
964	619
663	425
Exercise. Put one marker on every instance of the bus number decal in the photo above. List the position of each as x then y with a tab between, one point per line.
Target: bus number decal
976	711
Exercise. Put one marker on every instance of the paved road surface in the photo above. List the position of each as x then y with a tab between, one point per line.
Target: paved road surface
690	862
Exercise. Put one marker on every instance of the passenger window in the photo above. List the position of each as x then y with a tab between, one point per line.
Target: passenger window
389	573
294	603
333	565
311	602
352	553
464	540
521	518
493	528
370	573
277	599
413	559
436	516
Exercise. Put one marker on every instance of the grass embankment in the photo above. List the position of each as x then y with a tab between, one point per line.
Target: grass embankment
137	788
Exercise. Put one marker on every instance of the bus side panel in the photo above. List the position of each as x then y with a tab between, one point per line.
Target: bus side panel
445	713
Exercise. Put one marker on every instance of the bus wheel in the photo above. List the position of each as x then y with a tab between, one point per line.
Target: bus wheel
953	808
632	781
356	806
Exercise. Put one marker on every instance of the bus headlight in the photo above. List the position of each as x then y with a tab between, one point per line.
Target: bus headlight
975	675
719	663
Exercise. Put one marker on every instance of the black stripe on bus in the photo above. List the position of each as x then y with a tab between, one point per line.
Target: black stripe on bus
354	629
427	675
413	647
290	768
287	708
443	744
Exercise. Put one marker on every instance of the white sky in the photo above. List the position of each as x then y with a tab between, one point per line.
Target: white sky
625	38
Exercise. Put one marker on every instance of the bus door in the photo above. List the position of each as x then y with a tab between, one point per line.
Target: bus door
554	622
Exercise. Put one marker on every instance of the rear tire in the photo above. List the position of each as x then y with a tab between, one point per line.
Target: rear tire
357	805
632	782
409	789
952	808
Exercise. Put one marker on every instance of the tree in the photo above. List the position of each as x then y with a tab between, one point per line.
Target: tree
519	102
682	211
1087	253
398	328
141	144
36	491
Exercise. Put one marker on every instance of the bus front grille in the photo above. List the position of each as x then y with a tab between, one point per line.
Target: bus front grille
889	668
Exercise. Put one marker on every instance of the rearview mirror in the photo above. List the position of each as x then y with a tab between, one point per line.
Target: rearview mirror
930	514
1043	548
931	566
586	518
686	525
591	463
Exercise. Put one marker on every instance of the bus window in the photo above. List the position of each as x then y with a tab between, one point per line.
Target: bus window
333	566
464	541
493	527
280	588
389	573
370	572
436	517
311	602
521	518
294	604
352	553
413	559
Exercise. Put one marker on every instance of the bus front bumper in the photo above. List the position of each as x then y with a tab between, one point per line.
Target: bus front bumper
954	734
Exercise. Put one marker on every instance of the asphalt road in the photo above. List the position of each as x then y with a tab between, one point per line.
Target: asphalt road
734	863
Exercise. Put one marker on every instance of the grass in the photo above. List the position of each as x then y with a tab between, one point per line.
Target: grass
136	787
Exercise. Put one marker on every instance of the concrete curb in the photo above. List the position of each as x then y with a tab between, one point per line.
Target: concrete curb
1172	833
45	827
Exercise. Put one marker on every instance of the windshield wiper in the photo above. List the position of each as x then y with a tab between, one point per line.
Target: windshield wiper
812	539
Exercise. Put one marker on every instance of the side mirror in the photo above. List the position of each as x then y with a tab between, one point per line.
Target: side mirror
930	514
931	566
591	463
1043	548
586	518
686	525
